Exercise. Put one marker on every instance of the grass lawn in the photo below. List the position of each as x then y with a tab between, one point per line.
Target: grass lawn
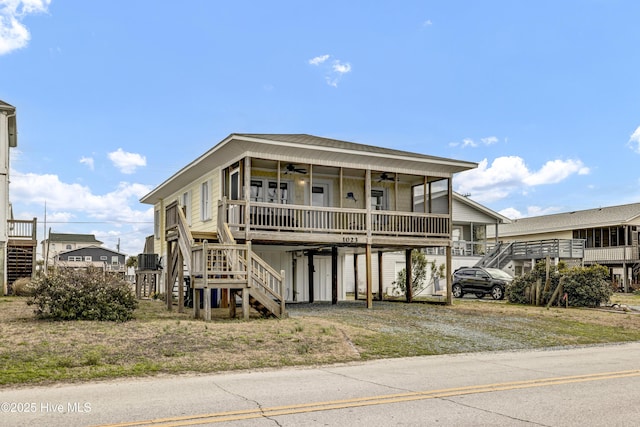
36	351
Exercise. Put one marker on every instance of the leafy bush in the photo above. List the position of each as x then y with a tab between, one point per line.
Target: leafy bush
584	286
587	286
418	274
68	294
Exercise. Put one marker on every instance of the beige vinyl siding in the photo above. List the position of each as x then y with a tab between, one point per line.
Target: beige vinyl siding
466	213
210	225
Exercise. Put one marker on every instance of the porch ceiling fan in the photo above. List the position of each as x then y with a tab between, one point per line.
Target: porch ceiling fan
291	168
385	176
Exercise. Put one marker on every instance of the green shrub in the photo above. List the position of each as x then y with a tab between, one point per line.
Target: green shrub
587	286
584	286
68	294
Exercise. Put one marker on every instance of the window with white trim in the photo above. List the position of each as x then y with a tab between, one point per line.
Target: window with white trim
185	201
205	201
156	224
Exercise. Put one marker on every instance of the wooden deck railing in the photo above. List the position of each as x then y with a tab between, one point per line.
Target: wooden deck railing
232	265
22	229
299	218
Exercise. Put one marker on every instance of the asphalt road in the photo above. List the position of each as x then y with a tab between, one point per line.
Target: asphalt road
589	386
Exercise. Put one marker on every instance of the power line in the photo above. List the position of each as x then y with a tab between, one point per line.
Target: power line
99	222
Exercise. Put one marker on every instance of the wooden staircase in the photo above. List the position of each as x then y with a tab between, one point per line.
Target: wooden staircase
21	251
225	264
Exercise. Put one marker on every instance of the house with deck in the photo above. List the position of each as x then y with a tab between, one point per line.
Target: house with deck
271	218
606	235
92	256
17	237
57	243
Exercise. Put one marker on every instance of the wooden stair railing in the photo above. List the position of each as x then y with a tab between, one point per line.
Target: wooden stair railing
233	265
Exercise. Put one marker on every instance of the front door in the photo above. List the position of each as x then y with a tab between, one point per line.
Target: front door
234	194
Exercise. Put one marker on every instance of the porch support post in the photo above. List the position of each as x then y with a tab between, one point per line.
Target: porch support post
207	303
369	278
181	282
310	273
448	248
196	302
355	276
224	298
408	278
380	275
169	276
449	266
245	303
334	275
247	196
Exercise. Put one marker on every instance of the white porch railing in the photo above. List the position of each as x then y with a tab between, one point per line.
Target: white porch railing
619	253
298	218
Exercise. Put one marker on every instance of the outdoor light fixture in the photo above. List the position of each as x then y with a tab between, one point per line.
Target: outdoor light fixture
351	196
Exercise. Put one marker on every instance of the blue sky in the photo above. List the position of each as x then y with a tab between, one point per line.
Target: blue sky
115	96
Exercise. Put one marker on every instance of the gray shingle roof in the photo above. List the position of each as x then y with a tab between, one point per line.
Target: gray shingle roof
318	141
5	106
67	237
596	217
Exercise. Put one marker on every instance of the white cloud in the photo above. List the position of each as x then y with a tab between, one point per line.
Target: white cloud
511	213
427	23
318	60
508	175
333	71
13	34
87	161
490	140
555	171
468	142
67	203
634	140
127	162
341	68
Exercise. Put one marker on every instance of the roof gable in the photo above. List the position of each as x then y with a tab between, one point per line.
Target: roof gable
302	147
92	248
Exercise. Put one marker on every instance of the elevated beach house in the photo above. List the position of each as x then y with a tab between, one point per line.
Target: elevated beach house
610	237
270	218
17	237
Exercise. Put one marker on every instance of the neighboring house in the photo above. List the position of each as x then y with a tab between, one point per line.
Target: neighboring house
92	256
17	237
281	212
57	243
469	245
610	236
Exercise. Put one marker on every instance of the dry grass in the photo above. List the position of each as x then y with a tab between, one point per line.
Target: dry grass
158	341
